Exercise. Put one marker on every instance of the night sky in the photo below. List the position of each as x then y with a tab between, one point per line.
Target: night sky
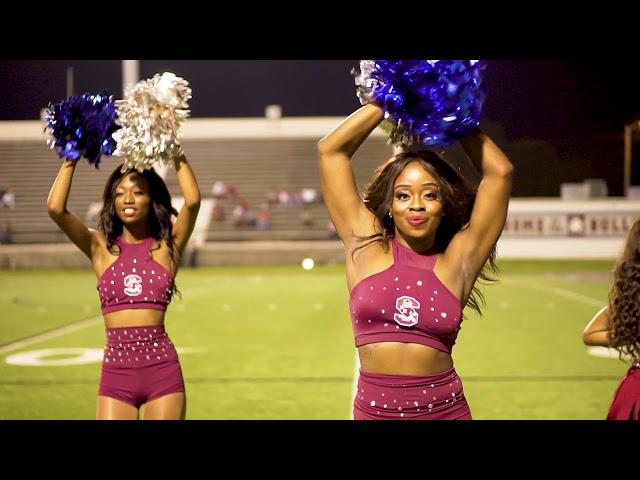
531	98
562	102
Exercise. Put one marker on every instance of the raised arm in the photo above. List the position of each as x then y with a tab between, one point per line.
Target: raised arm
85	238
598	331
187	216
346	208
472	246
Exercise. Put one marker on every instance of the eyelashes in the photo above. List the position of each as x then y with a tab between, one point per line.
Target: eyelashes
427	196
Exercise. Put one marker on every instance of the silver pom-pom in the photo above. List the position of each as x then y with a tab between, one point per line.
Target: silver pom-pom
150	115
366	83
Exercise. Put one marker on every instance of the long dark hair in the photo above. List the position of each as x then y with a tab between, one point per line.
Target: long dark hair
160	211
457	194
624	297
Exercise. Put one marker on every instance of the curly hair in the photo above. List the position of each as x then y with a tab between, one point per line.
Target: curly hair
160	211
457	194
624	298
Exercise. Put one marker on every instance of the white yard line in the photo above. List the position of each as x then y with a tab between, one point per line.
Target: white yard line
58	332
70	328
561	292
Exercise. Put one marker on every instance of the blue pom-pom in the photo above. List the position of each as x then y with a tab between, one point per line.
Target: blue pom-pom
431	102
81	126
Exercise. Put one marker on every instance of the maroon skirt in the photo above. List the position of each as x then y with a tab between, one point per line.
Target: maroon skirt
626	400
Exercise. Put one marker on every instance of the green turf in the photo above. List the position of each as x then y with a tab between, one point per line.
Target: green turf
276	343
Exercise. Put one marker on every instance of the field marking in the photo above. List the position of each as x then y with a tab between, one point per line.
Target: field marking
602	352
69	328
56	332
540	378
559	291
606	352
72	356
199	380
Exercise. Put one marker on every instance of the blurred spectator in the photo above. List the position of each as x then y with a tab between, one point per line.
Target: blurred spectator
5	234
8	199
232	192
296	199
307	219
309	195
217	212
219	189
91	218
284	198
243	216
333	234
263	221
272	198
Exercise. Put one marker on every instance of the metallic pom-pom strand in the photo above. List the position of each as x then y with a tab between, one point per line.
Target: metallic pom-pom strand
82	127
428	102
150	116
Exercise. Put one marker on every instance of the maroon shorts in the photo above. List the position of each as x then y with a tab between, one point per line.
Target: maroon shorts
140	364
409	397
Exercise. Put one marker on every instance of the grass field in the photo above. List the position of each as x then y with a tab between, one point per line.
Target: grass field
276	343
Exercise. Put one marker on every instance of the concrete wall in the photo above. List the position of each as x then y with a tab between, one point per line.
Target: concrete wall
44	255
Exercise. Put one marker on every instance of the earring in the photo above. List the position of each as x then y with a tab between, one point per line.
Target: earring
390	216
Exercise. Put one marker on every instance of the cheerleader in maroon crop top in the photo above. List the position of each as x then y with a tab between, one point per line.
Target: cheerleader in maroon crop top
415	244
618	326
135	280
135	253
